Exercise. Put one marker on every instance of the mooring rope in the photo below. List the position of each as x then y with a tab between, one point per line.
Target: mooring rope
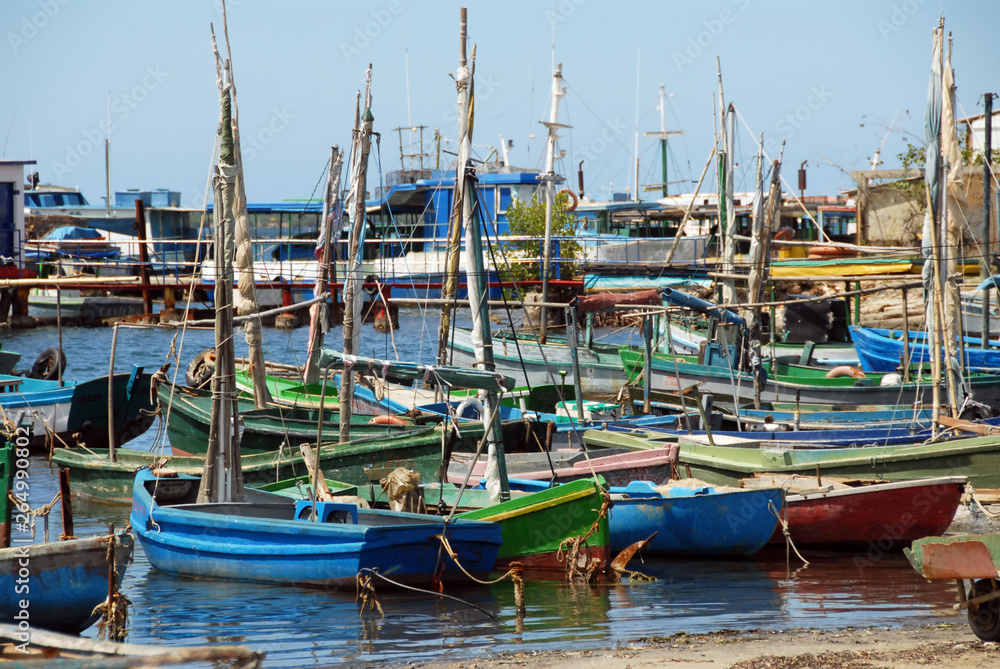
569	548
788	536
368	591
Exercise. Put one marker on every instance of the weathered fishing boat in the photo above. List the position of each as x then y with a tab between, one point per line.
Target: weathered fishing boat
965	557
846	437
273	539
73	651
978	458
535	527
68	579
288	389
8	360
56	585
77	413
786	383
96	476
618	468
693	521
883	350
522	357
687	340
263	430
831	515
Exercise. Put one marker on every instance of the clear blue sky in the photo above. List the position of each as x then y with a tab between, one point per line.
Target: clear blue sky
828	77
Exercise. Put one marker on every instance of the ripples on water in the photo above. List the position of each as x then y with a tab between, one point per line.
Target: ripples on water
302	627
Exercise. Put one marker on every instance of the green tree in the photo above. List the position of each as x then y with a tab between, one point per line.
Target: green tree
528	220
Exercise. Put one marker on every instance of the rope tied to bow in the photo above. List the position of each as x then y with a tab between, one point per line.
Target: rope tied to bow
572	548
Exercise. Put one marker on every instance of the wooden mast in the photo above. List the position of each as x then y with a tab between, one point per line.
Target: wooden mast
450	286
245	298
352	296
478	285
549	180
319	317
222	477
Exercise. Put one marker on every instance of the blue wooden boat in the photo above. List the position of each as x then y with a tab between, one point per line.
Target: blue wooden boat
882	350
696	521
57	584
688	521
66	582
271	539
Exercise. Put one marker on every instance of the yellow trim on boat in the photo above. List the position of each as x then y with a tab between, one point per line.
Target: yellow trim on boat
838	270
547	504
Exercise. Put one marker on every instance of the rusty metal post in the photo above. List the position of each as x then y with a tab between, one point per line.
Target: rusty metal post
66	503
140	229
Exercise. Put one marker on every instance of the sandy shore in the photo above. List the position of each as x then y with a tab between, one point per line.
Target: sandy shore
953	646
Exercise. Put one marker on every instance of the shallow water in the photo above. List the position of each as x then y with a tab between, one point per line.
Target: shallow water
301	627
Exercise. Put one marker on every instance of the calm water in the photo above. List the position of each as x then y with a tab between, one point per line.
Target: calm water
300	627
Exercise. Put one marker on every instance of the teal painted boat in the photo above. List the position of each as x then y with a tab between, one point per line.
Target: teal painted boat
263	430
96	477
977	458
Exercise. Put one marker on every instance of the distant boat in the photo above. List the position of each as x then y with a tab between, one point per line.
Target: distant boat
618	467
76	413
883	350
975	458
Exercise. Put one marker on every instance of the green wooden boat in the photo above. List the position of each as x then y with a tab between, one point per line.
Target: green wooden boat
263	429
786	383
357	462
977	458
533	525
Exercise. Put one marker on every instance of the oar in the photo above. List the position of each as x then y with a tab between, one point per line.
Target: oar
316	474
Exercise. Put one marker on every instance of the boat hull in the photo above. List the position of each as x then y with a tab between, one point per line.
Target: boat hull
275	547
66	581
704	523
78	413
804	385
885	516
535	527
357	462
618	469
977	458
882	350
601	371
262	429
